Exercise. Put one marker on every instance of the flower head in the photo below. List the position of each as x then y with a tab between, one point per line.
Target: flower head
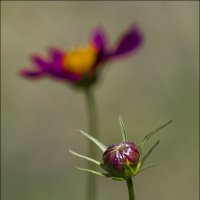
119	156
122	160
80	66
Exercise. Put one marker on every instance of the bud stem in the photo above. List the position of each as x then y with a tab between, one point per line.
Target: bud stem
130	189
92	152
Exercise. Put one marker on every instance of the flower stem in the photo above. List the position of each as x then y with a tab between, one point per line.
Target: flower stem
92	150
130	189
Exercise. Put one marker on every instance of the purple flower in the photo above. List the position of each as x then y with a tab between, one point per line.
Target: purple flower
81	66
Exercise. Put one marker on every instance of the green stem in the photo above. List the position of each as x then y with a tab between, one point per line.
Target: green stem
92	150
130	189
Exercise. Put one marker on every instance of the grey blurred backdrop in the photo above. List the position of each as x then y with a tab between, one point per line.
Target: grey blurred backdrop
158	83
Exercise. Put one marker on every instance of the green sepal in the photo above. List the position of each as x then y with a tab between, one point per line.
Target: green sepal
85	157
149	152
99	144
110	176
148	136
106	175
145	167
91	171
128	172
116	178
123	131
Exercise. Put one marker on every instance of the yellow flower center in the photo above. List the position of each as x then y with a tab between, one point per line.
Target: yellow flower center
80	60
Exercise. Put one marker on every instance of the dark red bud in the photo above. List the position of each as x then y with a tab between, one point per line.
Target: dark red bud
119	155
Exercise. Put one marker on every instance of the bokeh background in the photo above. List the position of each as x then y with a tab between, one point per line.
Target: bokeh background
156	84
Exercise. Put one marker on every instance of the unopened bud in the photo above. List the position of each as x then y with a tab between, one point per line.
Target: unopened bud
119	156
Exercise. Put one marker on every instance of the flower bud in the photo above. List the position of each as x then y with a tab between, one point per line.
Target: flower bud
119	156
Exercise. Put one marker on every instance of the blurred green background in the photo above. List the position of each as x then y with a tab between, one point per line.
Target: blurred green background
158	83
